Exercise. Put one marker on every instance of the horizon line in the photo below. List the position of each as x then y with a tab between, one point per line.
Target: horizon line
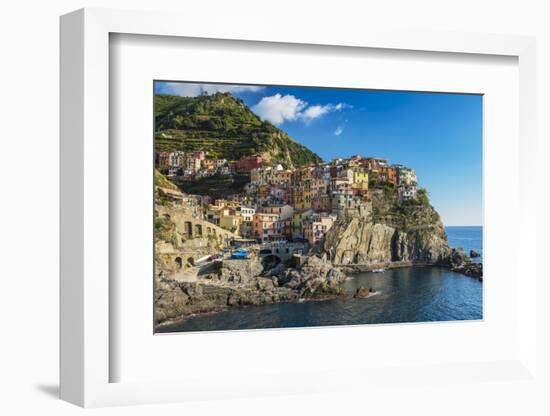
480	225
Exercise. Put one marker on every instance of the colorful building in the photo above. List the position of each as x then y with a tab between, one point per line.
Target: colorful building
340	184
282	178
208	164
376	163
199	154
406	192
345	202
218	163
360	178
170	159
299	217
279	193
283	211
192	164
316	228
230	222
265	226
247	217
406	176
389	175
246	163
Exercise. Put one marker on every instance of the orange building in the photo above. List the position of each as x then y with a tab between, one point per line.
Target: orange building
265	226
389	174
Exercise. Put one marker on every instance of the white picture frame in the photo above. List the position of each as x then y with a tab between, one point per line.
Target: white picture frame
86	355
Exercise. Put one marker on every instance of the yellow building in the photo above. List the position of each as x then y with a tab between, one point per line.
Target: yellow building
360	176
301	196
220	203
231	222
283	178
209	164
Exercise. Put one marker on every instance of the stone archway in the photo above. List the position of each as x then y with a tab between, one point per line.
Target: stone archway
198	230
188	228
270	261
179	262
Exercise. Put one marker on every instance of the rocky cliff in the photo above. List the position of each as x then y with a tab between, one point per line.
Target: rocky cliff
406	233
360	241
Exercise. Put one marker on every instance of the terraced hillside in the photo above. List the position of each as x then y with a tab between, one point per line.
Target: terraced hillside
225	127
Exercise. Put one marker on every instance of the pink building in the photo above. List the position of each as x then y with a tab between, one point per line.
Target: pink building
376	163
199	154
316	228
280	193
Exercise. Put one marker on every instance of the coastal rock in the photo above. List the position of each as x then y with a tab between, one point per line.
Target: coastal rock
470	269
278	270
239	283
174	299
456	258
474	254
314	278
360	241
363	292
239	271
265	283
363	244
170	302
459	262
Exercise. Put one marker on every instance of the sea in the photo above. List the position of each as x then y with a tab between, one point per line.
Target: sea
405	295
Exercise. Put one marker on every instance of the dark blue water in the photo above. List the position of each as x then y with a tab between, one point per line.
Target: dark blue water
413	294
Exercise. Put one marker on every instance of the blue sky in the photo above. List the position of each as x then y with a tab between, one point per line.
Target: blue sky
438	135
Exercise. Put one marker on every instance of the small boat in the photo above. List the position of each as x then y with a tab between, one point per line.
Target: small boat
240	254
203	259
378	270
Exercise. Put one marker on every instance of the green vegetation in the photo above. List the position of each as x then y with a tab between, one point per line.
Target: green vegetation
163	182
216	186
165	229
225	127
422	197
414	215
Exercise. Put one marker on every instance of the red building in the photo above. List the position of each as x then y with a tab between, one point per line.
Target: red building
247	163
163	160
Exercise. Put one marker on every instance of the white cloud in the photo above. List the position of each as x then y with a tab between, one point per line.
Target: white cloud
315	111
280	108
342	106
185	89
339	130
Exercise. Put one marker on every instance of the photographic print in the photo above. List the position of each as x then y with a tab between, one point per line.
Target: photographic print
288	206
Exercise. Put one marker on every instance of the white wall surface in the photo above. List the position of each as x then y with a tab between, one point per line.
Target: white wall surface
29	208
